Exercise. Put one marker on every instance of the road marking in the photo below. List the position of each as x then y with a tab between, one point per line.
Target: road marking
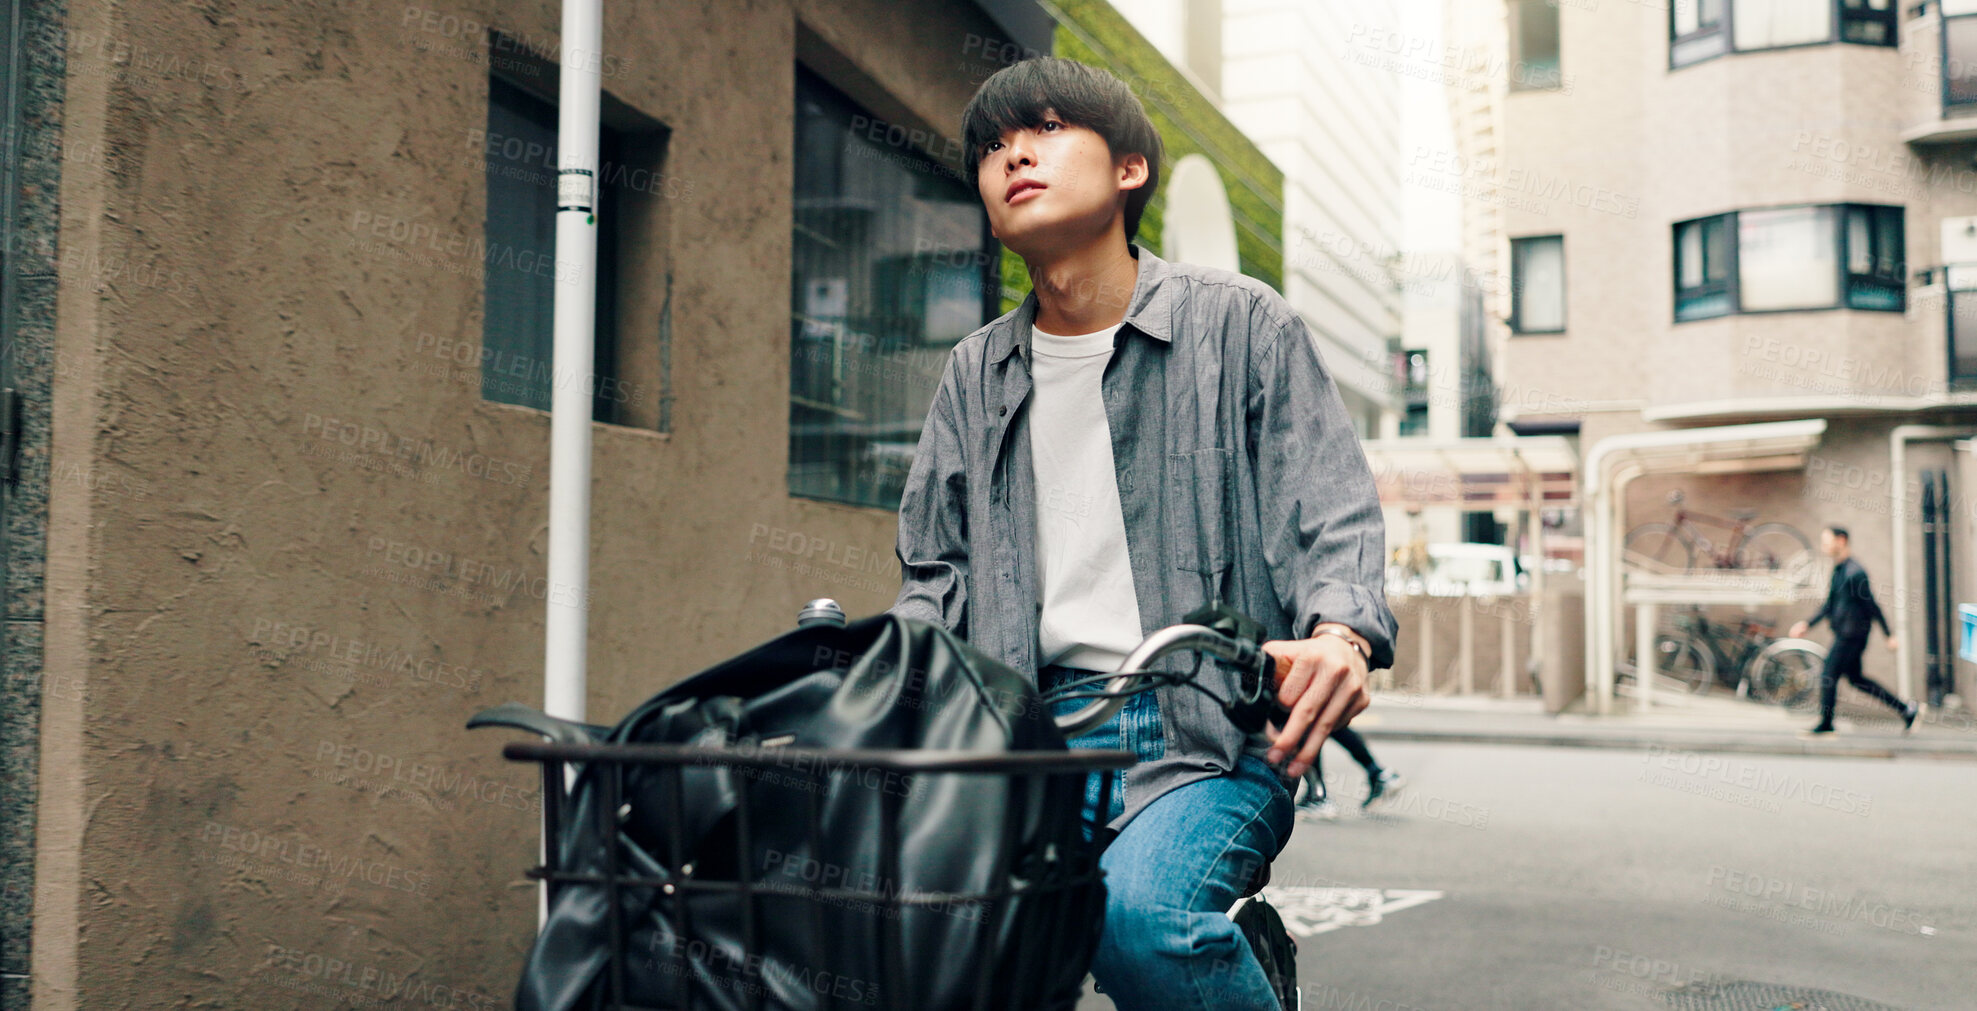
1310	911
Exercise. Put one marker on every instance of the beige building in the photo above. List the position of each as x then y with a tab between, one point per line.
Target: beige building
276	302
1733	213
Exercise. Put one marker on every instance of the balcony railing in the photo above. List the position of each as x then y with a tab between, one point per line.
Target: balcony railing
1952	110
1958	283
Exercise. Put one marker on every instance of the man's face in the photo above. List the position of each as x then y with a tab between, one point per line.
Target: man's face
1082	186
1829	545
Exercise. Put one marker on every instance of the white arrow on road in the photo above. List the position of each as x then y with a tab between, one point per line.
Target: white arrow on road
1308	911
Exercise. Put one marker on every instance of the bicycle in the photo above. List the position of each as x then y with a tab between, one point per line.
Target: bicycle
1060	884
1675	547
1701	654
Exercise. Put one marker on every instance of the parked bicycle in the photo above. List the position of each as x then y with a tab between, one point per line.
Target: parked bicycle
1700	655
1682	546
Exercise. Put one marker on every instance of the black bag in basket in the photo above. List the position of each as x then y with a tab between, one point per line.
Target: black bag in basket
880	683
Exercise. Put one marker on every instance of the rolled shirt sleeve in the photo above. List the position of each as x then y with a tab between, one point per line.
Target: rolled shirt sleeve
1324	538
933	530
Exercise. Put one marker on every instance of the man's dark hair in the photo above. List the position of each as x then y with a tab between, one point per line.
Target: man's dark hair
1841	533
1016	97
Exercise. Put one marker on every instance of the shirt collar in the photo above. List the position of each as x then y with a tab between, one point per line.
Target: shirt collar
1150	310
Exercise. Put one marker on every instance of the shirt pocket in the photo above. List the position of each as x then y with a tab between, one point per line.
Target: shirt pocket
1196	497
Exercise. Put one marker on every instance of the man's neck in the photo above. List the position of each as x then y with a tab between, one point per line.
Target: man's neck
1086	290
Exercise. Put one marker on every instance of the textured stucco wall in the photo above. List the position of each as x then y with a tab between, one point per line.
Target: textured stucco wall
208	768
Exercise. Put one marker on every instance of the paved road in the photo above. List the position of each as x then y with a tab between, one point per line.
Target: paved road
1509	877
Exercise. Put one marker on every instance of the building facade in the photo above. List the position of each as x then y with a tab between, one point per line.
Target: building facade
1304	81
1723	213
276	301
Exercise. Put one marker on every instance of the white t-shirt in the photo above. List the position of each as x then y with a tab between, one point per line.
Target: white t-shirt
1090	616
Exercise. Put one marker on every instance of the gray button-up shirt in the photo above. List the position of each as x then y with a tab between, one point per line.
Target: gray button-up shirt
1237	467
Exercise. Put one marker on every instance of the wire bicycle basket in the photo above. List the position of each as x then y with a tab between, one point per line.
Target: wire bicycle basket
763	912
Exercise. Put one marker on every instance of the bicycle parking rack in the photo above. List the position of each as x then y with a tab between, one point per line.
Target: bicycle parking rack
1647	591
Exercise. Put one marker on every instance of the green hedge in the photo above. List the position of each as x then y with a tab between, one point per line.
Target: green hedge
1093	32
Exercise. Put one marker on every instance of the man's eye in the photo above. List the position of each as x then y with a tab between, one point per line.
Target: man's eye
1048	123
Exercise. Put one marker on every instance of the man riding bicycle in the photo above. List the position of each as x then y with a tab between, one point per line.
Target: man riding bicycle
1135	440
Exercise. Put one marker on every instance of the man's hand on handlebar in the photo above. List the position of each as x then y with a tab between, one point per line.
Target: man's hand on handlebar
1322	681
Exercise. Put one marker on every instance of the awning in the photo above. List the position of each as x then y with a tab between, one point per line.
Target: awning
1480	473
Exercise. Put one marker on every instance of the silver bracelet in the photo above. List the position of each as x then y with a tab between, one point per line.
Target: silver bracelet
1354	643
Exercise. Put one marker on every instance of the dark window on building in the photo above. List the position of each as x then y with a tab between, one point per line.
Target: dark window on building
1963	336
1412	364
1869	22
630	381
1700	29
1703	268
1534	57
1877	268
521	269
892	265
1774	259
1537	284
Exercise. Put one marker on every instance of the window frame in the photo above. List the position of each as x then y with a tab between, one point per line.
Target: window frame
1517	328
1845	278
832	91
1943	61
1841	17
1728	222
1516	54
605	320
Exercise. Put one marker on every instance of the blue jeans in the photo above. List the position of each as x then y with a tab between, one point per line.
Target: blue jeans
1175	870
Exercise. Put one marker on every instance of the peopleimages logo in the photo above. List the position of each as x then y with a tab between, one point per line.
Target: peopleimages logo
308	856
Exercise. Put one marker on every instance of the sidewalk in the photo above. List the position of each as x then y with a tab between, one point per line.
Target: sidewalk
1723	724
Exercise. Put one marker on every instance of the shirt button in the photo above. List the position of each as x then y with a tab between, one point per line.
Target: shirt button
1003	410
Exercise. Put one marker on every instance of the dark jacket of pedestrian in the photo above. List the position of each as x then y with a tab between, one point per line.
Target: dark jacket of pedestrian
1850	603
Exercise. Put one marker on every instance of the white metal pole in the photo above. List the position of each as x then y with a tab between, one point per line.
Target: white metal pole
566	604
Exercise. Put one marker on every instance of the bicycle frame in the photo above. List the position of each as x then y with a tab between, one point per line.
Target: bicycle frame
1684	520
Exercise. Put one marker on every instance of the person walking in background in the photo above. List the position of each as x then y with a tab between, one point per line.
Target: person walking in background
1851	608
1380	783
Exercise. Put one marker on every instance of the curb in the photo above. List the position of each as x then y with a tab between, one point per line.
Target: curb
1621	741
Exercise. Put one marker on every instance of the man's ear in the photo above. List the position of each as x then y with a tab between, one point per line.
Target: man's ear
1133	171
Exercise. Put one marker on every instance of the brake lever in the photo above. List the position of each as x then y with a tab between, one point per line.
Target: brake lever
1256	684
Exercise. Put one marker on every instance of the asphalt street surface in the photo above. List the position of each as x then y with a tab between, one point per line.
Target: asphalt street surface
1510	877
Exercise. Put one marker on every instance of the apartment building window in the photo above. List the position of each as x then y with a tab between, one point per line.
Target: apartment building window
1777	259
1412	365
892	265
1702	267
1963	337
1876	260
1700	29
1534	57
517	328
1959	53
1696	31
521	270
1537	284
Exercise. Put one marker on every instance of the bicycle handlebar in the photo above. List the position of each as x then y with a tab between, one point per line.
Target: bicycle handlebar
1174	639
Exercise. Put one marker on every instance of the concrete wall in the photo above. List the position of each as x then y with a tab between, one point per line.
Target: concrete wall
203	754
